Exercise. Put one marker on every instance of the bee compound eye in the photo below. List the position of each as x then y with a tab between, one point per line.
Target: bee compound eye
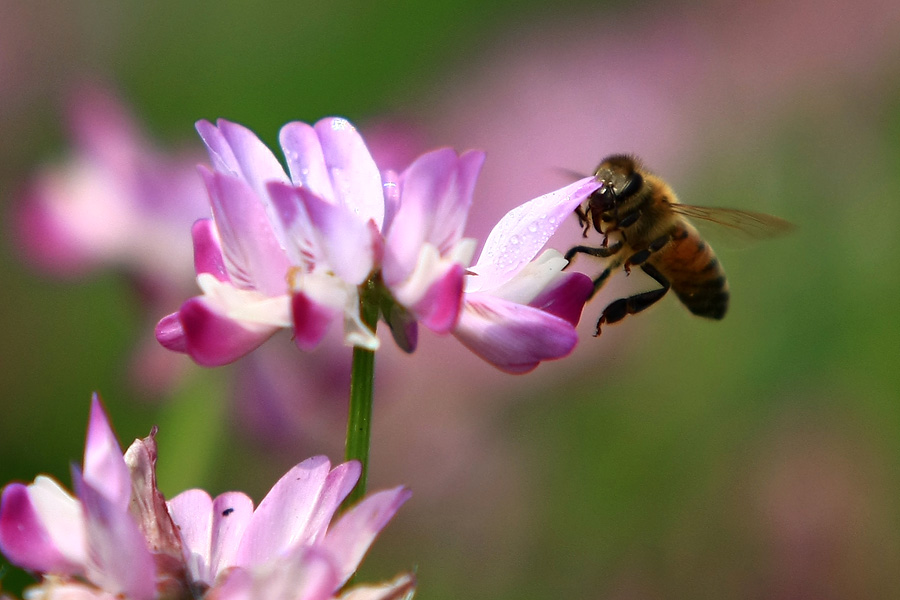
632	186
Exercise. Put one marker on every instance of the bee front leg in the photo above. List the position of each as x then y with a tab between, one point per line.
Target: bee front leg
592	251
623	307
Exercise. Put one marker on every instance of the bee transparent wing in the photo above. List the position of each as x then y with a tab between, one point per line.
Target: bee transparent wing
740	224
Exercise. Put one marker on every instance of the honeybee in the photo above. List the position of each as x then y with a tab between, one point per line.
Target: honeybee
643	224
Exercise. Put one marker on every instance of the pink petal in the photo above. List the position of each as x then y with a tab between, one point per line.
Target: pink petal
311	320
354	175
566	298
210	530
24	539
208	256
350	538
120	561
513	337
170	334
345	240
306	574
210	338
305	160
440	306
282	520
235	150
435	195
253	254
192	513
523	231
104	467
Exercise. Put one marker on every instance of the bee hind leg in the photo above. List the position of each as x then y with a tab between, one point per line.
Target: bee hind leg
623	307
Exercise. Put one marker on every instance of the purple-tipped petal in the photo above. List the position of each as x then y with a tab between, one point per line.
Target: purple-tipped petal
170	333
281	519
440	306
350	538
253	255
305	160
24	537
311	320
354	176
104	468
212	339
513	337
208	256
523	231
566	298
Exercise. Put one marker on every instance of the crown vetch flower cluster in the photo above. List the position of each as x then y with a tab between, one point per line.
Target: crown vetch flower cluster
297	250
117	537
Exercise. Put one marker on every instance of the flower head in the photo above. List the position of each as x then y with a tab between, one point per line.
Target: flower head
118	537
302	249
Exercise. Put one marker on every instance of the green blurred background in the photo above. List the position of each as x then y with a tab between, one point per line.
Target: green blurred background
670	458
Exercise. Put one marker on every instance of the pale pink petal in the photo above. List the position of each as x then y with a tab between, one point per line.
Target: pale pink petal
208	256
192	513
350	538
104	468
305	160
254	257
281	519
523	231
25	540
306	574
511	336
354	176
210	530
339	483
209	337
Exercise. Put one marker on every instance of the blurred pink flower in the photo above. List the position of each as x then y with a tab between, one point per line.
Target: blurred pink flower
117	537
115	203
293	252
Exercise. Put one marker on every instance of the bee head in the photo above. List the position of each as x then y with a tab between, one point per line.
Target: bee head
619	180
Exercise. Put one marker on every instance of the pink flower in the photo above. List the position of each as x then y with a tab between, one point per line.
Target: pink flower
117	536
519	311
299	251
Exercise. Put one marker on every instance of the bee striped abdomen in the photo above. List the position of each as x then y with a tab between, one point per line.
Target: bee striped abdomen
694	271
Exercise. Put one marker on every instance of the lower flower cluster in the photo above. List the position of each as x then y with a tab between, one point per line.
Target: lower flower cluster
117	536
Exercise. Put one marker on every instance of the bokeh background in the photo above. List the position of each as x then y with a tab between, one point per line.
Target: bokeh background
757	457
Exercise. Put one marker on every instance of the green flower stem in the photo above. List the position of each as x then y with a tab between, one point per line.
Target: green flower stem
362	379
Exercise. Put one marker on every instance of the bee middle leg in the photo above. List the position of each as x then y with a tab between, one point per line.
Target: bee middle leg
623	307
